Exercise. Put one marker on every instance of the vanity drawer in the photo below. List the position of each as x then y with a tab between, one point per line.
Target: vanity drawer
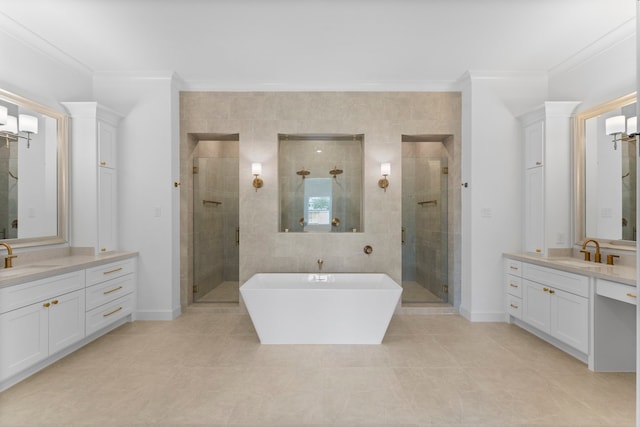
108	291
514	285
565	281
13	297
617	291
514	306
109	271
105	315
513	267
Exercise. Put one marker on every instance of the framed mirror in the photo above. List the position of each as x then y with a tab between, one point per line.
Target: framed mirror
605	159
33	172
320	183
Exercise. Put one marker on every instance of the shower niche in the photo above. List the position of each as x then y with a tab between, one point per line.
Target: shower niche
320	182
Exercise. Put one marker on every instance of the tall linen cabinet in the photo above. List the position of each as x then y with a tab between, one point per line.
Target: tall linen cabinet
93	206
547	177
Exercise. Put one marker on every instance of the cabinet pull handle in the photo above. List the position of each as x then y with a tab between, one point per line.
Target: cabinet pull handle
538	251
55	301
545	289
112	271
538	163
112	290
113	312
103	163
631	296
513	306
551	291
512	285
46	304
513	268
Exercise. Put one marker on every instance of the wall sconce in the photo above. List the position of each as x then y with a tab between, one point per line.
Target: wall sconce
11	126
632	126
256	171
385	171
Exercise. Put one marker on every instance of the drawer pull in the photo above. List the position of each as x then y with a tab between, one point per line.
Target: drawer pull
551	291
513	268
112	271
55	301
112	290
545	289
512	285
631	296
113	312
103	163
513	306
46	304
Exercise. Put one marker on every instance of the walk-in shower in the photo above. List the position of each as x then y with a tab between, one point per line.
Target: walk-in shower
216	233
424	220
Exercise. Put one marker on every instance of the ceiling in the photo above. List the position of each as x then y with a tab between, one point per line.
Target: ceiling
317	43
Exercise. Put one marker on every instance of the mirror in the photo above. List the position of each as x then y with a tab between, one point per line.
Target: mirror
320	183
33	150
606	173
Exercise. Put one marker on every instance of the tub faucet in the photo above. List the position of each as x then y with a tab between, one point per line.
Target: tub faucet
10	255
587	254
320	262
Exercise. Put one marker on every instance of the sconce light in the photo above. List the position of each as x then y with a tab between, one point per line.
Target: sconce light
632	126
11	126
256	171
385	171
615	126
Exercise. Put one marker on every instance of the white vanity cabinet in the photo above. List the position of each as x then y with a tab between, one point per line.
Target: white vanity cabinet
547	177
110	294
551	303
39	319
93	133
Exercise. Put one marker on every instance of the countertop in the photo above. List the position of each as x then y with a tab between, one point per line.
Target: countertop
617	273
59	265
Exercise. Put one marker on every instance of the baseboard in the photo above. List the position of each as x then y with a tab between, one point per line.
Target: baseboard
158	314
482	317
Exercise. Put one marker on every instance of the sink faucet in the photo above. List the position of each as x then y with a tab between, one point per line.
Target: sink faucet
587	254
10	255
320	262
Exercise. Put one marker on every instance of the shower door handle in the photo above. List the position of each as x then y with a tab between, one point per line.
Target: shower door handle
237	236
404	232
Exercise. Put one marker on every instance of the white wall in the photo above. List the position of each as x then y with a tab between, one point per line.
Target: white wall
492	147
148	161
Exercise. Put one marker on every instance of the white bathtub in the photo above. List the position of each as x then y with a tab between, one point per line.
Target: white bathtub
341	308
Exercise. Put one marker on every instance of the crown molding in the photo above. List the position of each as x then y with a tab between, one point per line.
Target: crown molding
22	34
618	35
391	86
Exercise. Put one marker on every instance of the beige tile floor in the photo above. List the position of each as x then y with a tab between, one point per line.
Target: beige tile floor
413	292
224	292
209	369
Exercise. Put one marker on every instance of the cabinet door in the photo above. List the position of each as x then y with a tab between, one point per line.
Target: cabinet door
66	320
107	210
24	338
570	319
107	145
534	210
534	145
536	305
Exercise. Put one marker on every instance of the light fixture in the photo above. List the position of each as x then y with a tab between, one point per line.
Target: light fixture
615	126
3	115
385	171
12	126
632	126
256	171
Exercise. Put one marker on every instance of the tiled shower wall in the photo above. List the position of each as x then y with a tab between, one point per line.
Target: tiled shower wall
258	118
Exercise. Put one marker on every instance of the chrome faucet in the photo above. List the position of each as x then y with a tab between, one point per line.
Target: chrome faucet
320	262
587	254
10	255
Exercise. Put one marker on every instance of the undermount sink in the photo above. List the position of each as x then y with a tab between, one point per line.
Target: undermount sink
577	263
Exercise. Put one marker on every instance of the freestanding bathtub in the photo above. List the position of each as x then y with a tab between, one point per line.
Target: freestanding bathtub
341	308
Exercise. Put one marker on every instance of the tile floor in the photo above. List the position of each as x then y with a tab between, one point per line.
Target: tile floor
208	368
224	292
414	292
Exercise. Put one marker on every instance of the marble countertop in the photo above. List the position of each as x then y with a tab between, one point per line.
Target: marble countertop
58	265
617	273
